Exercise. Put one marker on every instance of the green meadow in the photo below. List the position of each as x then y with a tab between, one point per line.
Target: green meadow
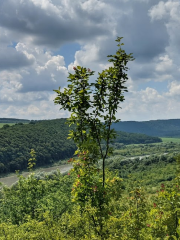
174	140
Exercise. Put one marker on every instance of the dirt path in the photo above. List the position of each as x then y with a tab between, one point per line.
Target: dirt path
8	181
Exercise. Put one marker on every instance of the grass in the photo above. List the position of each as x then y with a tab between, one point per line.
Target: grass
174	140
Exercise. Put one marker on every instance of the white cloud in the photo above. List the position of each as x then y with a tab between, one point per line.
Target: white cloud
165	9
174	90
149	104
158	11
169	12
166	64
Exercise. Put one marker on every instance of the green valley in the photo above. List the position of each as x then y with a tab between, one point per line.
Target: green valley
49	140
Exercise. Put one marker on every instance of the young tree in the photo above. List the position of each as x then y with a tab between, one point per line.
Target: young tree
93	108
92	103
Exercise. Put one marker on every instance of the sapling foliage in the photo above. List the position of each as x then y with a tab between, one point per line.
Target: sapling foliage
93	105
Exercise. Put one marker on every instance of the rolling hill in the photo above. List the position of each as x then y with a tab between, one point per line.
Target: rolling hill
158	128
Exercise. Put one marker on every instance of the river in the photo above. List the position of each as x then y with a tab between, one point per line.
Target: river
8	181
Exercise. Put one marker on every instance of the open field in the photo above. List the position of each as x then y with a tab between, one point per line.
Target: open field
174	140
10	124
1	124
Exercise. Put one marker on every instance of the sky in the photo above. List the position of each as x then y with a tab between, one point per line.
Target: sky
41	41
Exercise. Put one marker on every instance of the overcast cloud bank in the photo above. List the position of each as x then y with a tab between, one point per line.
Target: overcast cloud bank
33	33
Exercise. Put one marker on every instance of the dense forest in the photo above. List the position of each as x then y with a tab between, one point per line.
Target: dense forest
159	128
49	140
135	138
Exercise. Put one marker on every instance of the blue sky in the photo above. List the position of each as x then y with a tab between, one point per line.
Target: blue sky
68	51
41	41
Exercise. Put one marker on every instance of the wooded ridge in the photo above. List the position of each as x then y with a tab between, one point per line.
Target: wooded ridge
158	128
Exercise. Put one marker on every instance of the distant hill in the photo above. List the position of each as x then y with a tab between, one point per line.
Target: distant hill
13	120
158	128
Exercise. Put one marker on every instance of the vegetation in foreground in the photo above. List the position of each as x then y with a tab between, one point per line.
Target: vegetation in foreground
41	207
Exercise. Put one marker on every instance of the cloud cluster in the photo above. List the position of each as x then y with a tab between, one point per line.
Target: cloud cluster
33	33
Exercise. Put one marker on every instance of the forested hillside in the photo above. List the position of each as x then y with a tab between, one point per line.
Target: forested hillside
159	128
49	139
135	138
